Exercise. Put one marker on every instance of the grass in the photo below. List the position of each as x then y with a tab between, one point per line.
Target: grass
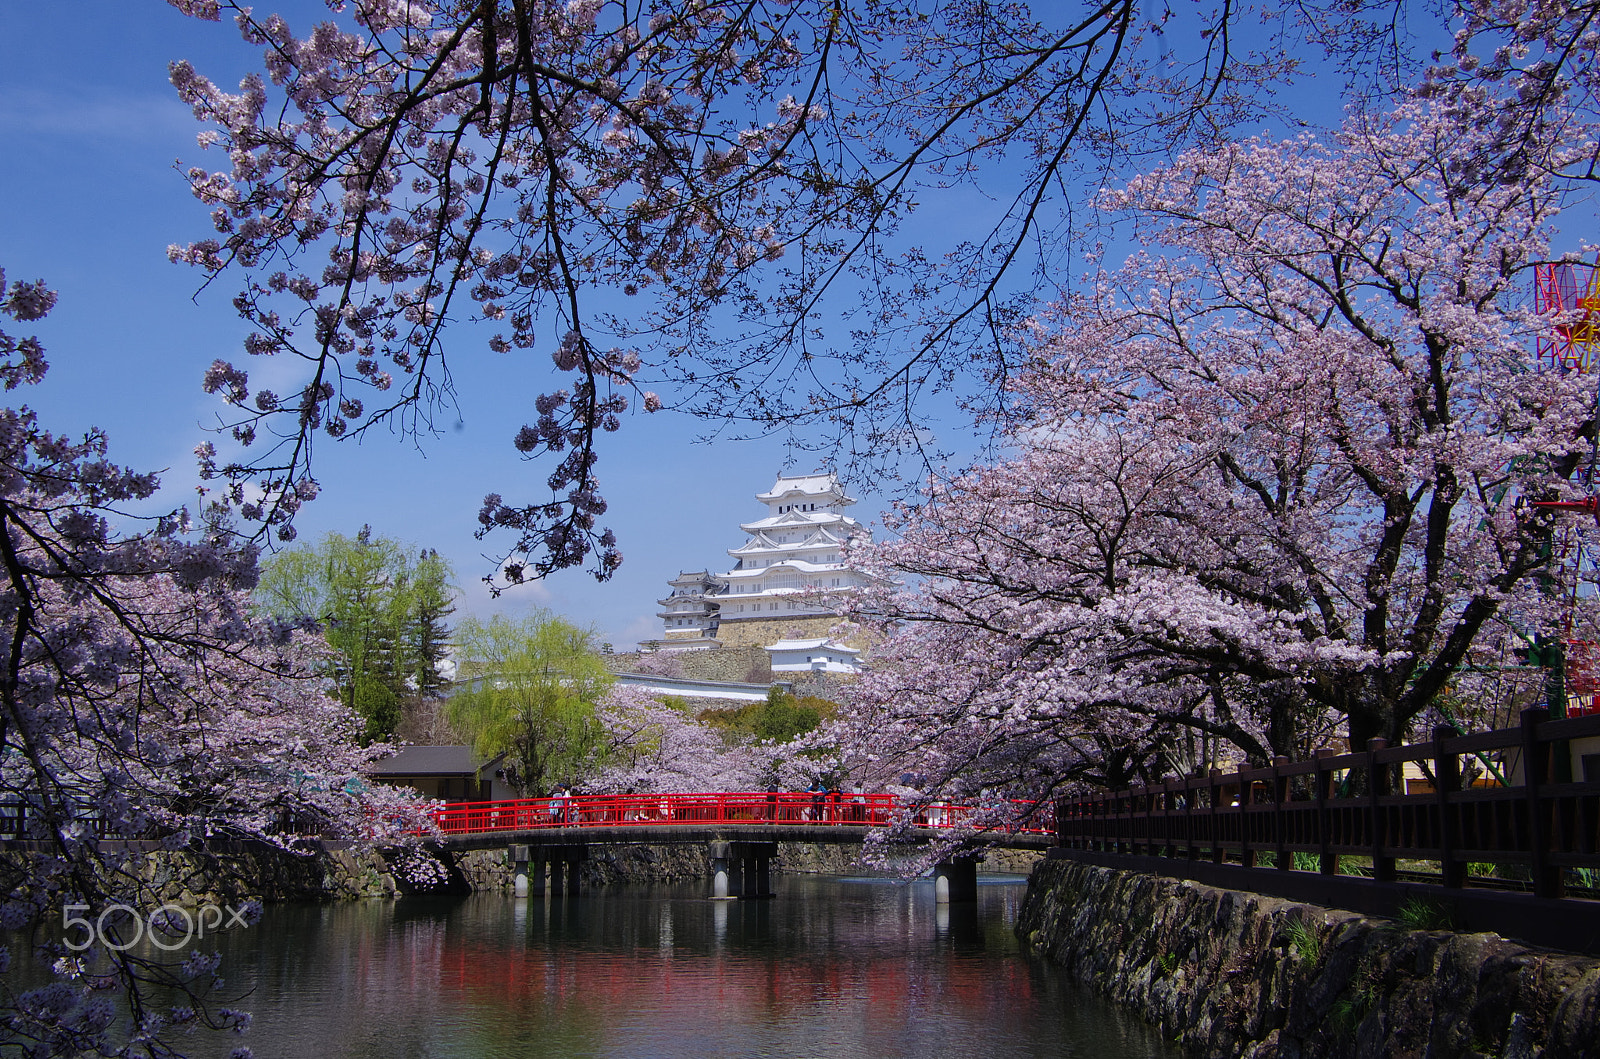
1304	940
1421	913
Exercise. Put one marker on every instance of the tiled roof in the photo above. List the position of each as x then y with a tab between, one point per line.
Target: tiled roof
431	761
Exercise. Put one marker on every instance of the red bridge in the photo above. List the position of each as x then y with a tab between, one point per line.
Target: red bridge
741	831
803	813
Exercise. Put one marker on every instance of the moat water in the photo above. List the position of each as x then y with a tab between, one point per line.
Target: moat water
831	967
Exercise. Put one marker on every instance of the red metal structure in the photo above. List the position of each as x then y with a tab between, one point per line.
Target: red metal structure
1573	293
747	808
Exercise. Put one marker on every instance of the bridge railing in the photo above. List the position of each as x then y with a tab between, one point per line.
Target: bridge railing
753	808
1526	814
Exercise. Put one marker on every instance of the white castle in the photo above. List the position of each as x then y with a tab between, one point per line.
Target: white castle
796	548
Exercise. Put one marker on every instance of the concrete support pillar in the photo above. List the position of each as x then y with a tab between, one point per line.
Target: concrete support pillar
573	867
755	867
558	878
518	856
737	879
763	877
720	853
955	880
536	875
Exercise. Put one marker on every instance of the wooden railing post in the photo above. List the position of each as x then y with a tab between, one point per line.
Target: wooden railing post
1280	819
1191	794
1447	781
1247	853
1547	880
1214	817
1327	860
1378	787
1169	848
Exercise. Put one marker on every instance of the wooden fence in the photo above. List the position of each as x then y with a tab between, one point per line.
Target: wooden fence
1526	815
1357	804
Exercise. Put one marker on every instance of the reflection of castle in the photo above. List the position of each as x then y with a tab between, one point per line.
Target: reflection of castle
797	547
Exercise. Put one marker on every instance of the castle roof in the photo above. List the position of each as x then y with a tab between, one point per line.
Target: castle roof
816	484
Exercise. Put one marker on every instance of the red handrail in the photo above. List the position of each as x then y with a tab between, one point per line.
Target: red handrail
746	808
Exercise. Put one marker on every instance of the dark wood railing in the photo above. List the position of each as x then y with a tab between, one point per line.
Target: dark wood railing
1531	816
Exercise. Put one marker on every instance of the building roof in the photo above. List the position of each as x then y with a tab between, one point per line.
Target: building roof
818	484
811	645
432	761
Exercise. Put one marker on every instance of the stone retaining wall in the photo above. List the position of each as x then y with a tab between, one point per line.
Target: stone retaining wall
745	664
230	874
1238	974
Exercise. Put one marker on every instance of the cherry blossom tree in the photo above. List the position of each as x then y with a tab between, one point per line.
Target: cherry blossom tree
659	746
139	700
674	195
1269	476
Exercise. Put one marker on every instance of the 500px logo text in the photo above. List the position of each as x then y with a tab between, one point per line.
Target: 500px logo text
169	928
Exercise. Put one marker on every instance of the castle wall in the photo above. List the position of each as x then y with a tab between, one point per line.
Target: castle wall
758	632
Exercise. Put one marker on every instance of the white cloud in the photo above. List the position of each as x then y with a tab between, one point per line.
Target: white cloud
100	116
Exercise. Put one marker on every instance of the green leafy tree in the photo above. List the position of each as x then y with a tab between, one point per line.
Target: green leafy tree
781	718
534	688
383	611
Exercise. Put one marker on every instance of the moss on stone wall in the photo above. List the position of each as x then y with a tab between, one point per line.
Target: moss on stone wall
1237	974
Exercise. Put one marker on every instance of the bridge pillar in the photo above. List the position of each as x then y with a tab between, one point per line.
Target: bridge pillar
763	877
565	863
755	867
719	852
518	856
955	880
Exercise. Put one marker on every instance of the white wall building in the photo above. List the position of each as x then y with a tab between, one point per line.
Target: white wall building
795	549
797	546
818	654
690	610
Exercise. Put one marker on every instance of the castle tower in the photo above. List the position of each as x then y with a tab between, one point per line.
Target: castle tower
689	613
797	546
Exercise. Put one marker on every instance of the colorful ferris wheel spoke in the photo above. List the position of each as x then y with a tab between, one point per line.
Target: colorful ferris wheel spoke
1571	294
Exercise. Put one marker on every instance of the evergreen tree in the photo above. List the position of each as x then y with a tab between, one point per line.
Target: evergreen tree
383	613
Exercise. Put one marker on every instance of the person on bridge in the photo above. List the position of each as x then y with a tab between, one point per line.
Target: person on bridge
819	795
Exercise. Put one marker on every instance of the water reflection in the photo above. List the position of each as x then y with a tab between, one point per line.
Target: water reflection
839	968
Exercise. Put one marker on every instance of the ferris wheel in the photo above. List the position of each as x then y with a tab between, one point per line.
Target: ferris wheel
1572	294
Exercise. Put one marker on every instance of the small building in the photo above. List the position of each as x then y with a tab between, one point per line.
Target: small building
689	614
813	656
449	773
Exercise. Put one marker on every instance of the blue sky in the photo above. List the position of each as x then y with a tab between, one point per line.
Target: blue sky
91	132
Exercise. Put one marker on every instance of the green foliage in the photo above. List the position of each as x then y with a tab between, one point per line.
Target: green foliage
1304	940
382	610
1420	913
1345	1015
1351	1009
377	704
782	718
535	685
1168	962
